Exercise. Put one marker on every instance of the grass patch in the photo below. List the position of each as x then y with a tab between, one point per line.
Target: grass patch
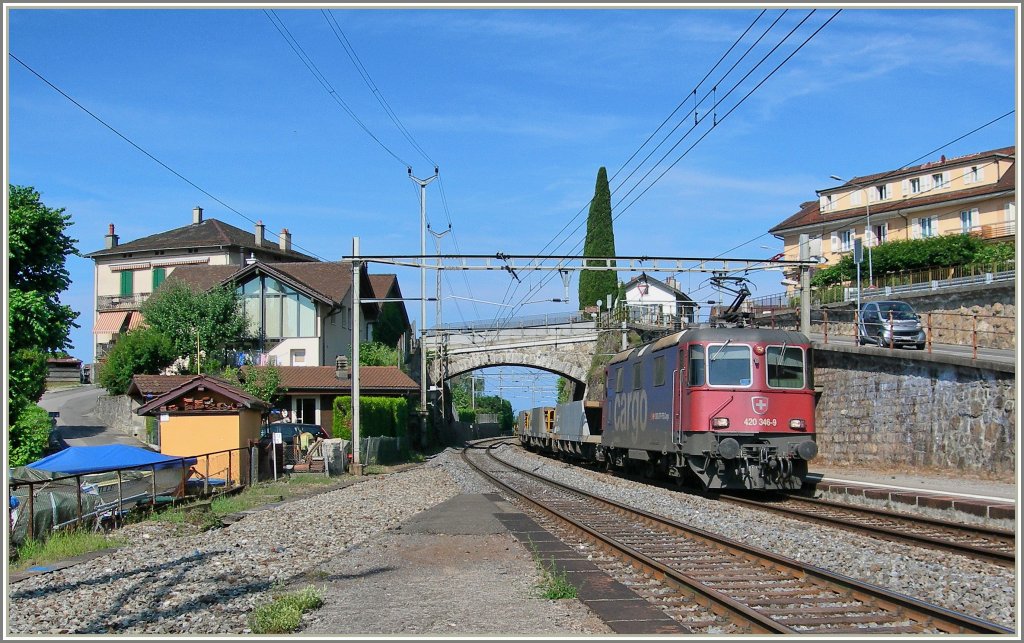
60	545
553	584
207	514
284	614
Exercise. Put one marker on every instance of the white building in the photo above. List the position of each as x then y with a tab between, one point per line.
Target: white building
659	303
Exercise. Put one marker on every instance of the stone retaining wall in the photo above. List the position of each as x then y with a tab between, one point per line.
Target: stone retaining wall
118	412
890	412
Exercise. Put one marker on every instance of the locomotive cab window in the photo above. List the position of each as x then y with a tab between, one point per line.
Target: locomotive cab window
728	365
618	379
696	365
785	366
638	380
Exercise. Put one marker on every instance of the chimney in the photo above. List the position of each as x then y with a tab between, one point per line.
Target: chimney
111	238
197	215
286	240
942	159
671	281
341	370
259	234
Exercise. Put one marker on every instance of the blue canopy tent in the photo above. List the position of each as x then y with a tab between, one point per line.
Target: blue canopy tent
112	478
76	460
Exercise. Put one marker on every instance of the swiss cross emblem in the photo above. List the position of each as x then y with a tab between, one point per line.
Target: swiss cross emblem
760	405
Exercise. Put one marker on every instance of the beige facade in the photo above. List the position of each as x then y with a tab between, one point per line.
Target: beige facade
974	194
125	275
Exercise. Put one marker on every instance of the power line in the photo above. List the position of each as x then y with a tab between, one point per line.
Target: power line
717	102
313	69
350	50
141	149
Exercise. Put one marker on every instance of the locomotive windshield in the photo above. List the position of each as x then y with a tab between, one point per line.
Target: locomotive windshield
728	365
785	366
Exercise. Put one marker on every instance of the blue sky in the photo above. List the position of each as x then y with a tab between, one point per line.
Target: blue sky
518	108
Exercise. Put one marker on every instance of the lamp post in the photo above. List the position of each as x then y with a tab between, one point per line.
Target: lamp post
870	232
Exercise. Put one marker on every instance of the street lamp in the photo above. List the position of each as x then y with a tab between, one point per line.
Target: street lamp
869	231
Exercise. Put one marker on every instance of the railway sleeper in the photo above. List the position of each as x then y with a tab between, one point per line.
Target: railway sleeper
889	619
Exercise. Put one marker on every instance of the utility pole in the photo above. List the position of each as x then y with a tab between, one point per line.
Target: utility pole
357	467
805	286
437	318
423	296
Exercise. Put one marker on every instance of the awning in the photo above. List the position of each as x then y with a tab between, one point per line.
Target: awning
138	265
110	321
180	262
135	320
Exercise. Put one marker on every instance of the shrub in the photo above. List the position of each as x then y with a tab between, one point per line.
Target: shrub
144	351
378	417
29	436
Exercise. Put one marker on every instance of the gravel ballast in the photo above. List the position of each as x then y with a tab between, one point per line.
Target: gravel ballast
348	542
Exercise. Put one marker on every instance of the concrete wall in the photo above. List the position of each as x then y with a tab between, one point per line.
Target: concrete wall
892	412
952	311
118	412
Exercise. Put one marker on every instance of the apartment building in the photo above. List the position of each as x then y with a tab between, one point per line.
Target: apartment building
126	274
972	194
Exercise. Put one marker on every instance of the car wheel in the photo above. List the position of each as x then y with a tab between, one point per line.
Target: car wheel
920	347
881	341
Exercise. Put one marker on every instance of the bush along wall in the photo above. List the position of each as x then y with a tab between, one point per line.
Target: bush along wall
378	417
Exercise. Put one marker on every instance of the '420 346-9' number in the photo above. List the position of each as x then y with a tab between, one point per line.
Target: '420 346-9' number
760	422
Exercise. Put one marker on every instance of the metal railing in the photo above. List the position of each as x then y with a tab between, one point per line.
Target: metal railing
969	329
916	281
121	302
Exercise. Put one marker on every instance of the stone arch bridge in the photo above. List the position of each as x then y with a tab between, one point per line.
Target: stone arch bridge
560	344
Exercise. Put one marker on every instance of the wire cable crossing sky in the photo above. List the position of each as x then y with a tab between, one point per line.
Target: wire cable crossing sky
728	118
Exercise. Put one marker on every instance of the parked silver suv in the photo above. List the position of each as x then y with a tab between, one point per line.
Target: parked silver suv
904	329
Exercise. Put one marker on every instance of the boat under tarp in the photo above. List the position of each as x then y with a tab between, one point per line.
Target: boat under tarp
111	479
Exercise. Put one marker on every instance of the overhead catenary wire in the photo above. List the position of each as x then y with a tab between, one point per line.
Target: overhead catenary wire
642	145
844	222
719	121
144	151
320	78
353	56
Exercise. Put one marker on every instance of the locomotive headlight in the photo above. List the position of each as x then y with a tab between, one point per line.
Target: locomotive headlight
720	423
798	425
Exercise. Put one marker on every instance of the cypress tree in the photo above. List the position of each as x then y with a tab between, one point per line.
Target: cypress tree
600	242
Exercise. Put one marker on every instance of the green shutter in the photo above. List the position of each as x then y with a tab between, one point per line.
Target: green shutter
127	285
158	277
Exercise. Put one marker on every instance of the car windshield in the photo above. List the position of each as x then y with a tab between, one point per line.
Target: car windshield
898	309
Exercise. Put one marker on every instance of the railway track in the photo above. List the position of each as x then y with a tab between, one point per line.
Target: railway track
713	584
993	545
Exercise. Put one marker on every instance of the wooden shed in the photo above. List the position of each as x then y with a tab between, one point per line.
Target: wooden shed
208	418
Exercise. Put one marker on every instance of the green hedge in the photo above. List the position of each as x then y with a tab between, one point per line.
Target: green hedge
916	254
467	415
378	417
29	436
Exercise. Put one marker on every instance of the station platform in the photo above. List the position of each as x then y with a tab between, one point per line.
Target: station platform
972	495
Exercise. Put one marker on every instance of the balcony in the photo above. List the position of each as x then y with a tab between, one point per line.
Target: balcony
995	231
121	302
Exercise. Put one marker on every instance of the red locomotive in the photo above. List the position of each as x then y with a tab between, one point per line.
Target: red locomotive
722	408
